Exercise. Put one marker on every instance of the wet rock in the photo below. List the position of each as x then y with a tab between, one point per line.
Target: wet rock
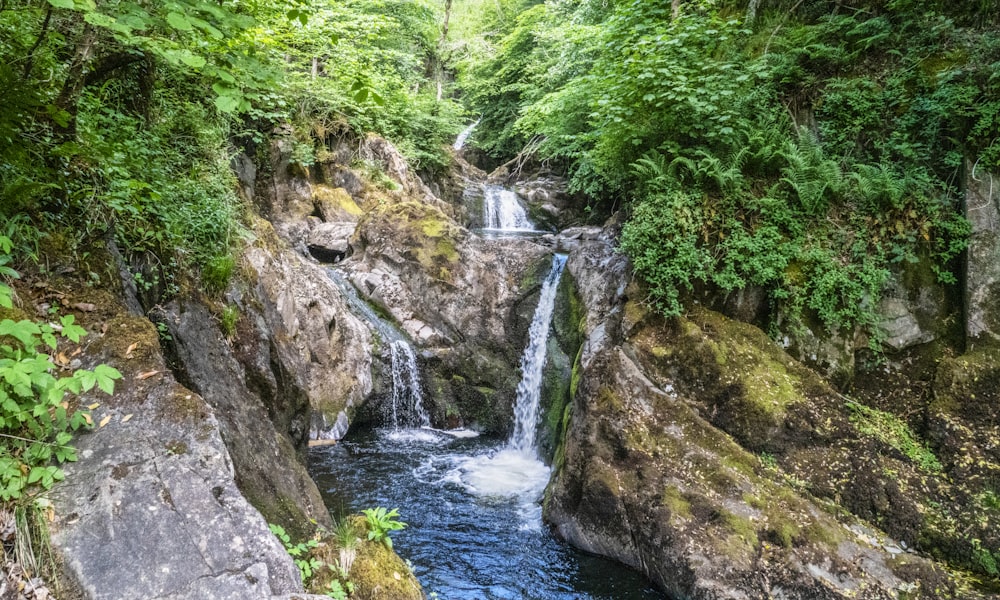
982	270
305	339
659	469
331	242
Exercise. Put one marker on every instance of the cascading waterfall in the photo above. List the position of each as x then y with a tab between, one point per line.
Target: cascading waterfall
529	390
407	404
407	408
516	469
464	136
502	211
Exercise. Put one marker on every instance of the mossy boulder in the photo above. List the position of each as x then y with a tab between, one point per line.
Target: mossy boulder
698	442
373	568
335	204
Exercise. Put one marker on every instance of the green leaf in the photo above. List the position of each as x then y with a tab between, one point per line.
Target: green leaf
179	21
192	60
227	104
106	376
63	4
87	379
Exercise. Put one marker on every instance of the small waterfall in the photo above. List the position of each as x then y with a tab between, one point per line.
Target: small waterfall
462	137
502	211
529	390
407	404
407	408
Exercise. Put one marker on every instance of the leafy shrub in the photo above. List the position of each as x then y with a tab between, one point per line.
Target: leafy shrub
381	522
36	411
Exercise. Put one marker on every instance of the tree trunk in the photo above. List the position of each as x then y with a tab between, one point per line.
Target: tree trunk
675	8
76	79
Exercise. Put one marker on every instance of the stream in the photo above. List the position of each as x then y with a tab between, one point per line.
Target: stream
463	541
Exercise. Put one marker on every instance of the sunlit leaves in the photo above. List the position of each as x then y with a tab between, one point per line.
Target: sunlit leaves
35	416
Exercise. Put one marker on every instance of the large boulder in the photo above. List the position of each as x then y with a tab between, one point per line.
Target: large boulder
299	338
421	268
152	508
693	450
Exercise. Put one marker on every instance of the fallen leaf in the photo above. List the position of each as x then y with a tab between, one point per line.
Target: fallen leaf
77	351
84	306
132	346
62	360
147	375
126	418
88	419
104	421
94	405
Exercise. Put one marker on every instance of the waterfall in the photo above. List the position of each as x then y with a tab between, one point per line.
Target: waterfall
502	211
407	404
462	137
407	409
529	390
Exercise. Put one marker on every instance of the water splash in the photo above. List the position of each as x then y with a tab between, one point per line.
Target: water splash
464	136
407	395
529	390
502	211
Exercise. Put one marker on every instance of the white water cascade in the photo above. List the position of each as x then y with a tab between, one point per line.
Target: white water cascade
516	469
407	404
503	212
464	136
529	390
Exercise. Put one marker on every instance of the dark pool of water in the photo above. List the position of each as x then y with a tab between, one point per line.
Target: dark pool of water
462	545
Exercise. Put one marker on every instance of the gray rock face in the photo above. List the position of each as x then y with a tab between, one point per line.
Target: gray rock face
646	476
982	277
207	364
331	242
320	348
152	509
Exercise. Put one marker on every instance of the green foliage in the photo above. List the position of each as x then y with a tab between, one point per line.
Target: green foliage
806	153
889	429
37	414
230	315
299	551
381	522
339	586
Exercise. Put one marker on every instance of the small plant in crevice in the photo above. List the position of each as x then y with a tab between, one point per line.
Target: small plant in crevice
228	319
348	539
331	579
380	522
299	551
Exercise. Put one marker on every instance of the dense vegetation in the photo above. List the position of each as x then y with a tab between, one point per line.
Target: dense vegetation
119	118
805	148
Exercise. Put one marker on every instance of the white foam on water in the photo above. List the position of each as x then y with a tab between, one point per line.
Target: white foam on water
459	433
508	473
414	436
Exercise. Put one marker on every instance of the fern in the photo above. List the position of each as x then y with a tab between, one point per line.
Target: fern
814	178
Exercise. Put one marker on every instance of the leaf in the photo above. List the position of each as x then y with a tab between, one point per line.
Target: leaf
106	376
104	421
84	307
63	4
192	60
131	348
227	104
147	375
93	406
126	418
178	21
88	418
